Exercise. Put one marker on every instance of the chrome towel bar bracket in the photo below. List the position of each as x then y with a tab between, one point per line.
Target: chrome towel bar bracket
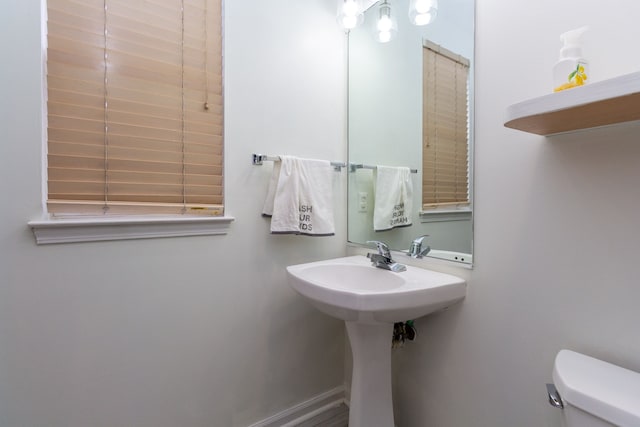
258	159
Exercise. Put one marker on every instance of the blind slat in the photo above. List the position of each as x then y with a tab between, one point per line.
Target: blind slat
132	154
92	107
74	189
62	114
60	206
95	175
138	198
69	162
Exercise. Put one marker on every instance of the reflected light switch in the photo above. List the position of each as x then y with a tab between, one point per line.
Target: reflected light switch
363	201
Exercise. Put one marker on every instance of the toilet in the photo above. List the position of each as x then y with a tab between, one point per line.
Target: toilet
594	393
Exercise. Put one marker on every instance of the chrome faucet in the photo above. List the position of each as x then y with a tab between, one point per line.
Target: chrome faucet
416	250
383	258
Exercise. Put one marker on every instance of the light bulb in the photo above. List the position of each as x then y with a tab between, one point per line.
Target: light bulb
384	24
422	12
384	36
422	19
350	8
422	6
349	13
349	22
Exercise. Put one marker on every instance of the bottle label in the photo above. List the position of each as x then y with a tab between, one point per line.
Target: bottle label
576	78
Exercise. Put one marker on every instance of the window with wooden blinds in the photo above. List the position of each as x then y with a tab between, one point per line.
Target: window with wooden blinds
445	154
135	112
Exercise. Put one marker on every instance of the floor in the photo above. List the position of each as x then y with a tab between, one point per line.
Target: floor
336	417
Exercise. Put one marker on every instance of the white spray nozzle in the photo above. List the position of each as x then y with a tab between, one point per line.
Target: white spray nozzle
572	42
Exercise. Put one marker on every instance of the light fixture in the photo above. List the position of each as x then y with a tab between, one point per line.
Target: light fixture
350	13
386	26
422	12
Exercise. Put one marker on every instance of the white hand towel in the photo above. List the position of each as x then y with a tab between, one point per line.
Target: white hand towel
302	199
393	198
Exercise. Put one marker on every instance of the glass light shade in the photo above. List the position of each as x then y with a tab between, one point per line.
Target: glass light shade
386	25
422	12
350	14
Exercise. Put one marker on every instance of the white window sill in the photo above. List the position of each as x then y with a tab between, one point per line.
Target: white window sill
436	215
50	231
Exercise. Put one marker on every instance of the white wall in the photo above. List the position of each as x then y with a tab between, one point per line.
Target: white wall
183	332
556	233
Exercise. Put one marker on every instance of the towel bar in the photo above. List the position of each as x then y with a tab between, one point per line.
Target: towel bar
259	158
355	166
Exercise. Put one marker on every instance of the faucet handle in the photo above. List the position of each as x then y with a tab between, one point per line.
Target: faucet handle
415	250
418	240
383	248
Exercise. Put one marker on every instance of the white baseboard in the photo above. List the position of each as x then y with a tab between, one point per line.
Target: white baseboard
305	410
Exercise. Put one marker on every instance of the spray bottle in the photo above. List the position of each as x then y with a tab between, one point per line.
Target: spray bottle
572	69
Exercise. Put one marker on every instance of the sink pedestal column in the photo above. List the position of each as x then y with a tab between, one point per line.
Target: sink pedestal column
371	403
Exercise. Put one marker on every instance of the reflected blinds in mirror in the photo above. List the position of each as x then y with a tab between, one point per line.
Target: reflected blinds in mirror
135	112
445	155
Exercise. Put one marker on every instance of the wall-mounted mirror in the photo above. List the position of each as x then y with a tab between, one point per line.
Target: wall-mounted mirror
411	105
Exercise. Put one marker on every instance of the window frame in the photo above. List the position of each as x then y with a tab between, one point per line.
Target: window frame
50	229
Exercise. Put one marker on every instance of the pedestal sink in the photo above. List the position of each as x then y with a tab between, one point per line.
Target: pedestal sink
370	300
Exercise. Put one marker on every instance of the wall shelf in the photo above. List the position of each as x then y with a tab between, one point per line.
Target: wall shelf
597	104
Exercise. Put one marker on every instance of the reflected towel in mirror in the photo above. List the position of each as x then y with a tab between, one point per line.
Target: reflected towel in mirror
393	198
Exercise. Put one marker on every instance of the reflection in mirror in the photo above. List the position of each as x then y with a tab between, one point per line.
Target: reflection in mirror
410	105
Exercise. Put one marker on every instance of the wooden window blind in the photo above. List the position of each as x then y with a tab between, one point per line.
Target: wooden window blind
135	108
445	154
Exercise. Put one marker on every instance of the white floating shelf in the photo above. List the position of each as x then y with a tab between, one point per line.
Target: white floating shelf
602	103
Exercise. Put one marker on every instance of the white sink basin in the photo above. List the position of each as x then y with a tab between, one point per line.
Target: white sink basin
352	289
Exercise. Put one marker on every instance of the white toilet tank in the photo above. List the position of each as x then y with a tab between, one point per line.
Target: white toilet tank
596	393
